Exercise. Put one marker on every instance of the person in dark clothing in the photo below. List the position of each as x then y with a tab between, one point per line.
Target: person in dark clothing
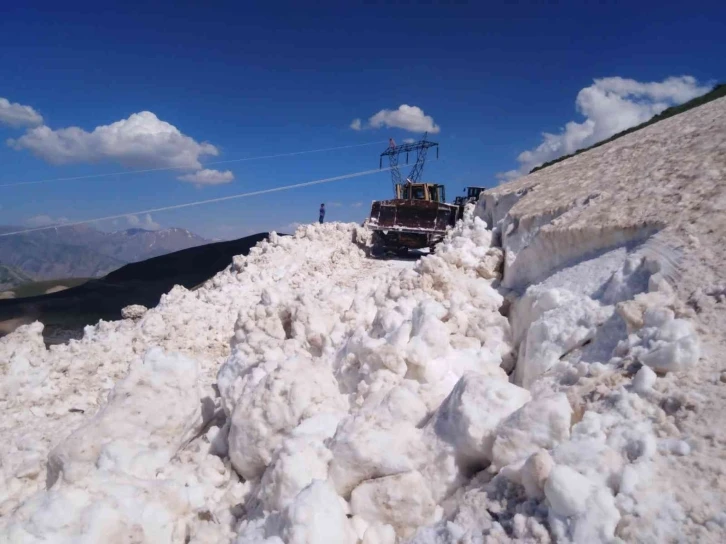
322	212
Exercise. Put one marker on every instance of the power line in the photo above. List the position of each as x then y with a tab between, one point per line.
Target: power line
167	168
201	202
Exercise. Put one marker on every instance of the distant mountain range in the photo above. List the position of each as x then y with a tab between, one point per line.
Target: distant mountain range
67	312
82	251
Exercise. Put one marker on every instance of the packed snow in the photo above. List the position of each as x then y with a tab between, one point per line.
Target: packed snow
311	394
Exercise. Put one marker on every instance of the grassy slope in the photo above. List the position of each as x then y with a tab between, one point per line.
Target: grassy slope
36	288
717	92
12	277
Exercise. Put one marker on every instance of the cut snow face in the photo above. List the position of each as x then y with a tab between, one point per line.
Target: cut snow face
309	394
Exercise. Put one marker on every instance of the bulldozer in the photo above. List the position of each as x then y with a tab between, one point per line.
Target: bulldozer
418	215
472	195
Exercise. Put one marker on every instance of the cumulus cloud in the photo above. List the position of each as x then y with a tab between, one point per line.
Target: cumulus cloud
143	141
143	222
410	118
17	115
610	105
208	177
44	220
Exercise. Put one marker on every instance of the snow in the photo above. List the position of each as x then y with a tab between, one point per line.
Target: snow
134	311
402	501
535	474
551	389
270	403
131	434
356	400
467	420
567	491
540	424
644	380
666	344
316	516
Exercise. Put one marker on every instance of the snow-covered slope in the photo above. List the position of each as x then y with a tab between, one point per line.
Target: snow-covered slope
659	194
308	394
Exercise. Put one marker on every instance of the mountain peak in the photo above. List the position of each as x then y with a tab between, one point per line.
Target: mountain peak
87	252
135	230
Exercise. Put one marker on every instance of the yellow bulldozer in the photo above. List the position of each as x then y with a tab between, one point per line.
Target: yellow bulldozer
418	216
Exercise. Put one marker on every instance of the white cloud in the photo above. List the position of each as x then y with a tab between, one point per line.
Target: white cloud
208	177
409	140
144	222
410	118
17	115
356	205
610	105
334	204
143	140
44	220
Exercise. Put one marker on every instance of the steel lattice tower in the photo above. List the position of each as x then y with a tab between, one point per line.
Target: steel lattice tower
394	151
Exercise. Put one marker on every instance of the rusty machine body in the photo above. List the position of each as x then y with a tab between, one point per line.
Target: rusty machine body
418	215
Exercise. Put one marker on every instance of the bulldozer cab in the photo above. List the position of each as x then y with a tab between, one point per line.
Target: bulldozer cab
472	195
474	192
421	191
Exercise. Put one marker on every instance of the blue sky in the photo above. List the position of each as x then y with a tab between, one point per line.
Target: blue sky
255	79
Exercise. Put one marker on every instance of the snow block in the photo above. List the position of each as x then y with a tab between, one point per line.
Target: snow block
541	423
367	447
644	380
134	311
549	323
667	344
273	403
402	501
567	491
301	459
468	418
315	517
535	472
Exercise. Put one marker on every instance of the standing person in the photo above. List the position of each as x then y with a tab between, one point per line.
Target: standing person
322	213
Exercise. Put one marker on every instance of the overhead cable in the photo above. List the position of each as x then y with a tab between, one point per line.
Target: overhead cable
199	202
